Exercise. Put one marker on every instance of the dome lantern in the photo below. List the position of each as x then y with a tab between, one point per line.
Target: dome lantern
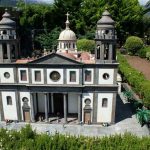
67	38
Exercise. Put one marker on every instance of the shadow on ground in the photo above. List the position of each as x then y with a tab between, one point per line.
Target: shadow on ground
123	111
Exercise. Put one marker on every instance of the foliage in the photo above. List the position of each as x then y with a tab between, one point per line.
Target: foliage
143	52
48	40
135	79
13	140
85	45
127	14
128	94
133	44
143	116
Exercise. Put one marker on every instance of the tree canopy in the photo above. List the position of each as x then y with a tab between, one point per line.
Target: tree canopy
84	15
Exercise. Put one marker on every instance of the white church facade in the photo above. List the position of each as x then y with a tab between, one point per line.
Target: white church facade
66	83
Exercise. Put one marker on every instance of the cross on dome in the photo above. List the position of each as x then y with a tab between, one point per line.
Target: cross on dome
67	21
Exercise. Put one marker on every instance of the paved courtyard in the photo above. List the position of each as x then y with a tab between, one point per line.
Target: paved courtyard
125	122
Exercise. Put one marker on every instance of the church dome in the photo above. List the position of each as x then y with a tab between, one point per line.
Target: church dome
67	34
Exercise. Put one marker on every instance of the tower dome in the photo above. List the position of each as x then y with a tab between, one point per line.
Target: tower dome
67	38
6	22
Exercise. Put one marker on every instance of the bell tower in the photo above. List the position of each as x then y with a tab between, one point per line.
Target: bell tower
9	44
105	51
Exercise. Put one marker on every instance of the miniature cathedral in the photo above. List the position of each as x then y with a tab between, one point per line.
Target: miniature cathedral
65	85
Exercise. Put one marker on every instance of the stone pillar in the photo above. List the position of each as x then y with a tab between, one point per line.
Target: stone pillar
8	52
46	107
32	107
52	102
1	53
79	108
65	108
102	52
110	52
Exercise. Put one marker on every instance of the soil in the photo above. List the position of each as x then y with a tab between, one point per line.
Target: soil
140	64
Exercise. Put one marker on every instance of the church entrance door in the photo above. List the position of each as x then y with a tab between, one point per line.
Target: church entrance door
87	117
58	104
26	114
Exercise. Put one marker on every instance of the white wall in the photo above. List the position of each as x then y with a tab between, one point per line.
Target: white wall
72	103
10	111
19	75
60	81
85	96
22	95
111	76
5	80
92	75
33	76
104	113
68	76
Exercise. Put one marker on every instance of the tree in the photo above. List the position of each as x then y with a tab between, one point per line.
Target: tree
85	45
49	40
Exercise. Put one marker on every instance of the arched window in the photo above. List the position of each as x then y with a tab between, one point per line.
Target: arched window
98	52
9	100
4	32
104	102
73	45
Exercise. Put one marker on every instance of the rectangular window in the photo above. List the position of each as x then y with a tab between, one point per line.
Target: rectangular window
88	75
104	102
37	76
23	75
72	76
9	100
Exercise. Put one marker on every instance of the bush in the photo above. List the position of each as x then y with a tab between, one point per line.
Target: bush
144	52
62	142
85	45
133	44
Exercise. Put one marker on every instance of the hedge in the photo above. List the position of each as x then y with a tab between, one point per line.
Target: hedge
136	79
13	140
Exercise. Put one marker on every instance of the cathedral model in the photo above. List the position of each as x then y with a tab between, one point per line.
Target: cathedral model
65	84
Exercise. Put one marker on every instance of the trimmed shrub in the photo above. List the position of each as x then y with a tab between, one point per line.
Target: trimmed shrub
133	44
144	52
85	45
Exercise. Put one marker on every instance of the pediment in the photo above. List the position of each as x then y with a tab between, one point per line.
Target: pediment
54	58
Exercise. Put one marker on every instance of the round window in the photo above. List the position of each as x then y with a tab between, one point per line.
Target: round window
55	76
25	99
106	76
7	75
87	101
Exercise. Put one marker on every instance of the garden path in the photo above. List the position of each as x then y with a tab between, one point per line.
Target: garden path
140	64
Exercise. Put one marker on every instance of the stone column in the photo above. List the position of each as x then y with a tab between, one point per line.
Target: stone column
46	107
52	102
65	107
1	53
110	52
8	52
32	107
79	108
